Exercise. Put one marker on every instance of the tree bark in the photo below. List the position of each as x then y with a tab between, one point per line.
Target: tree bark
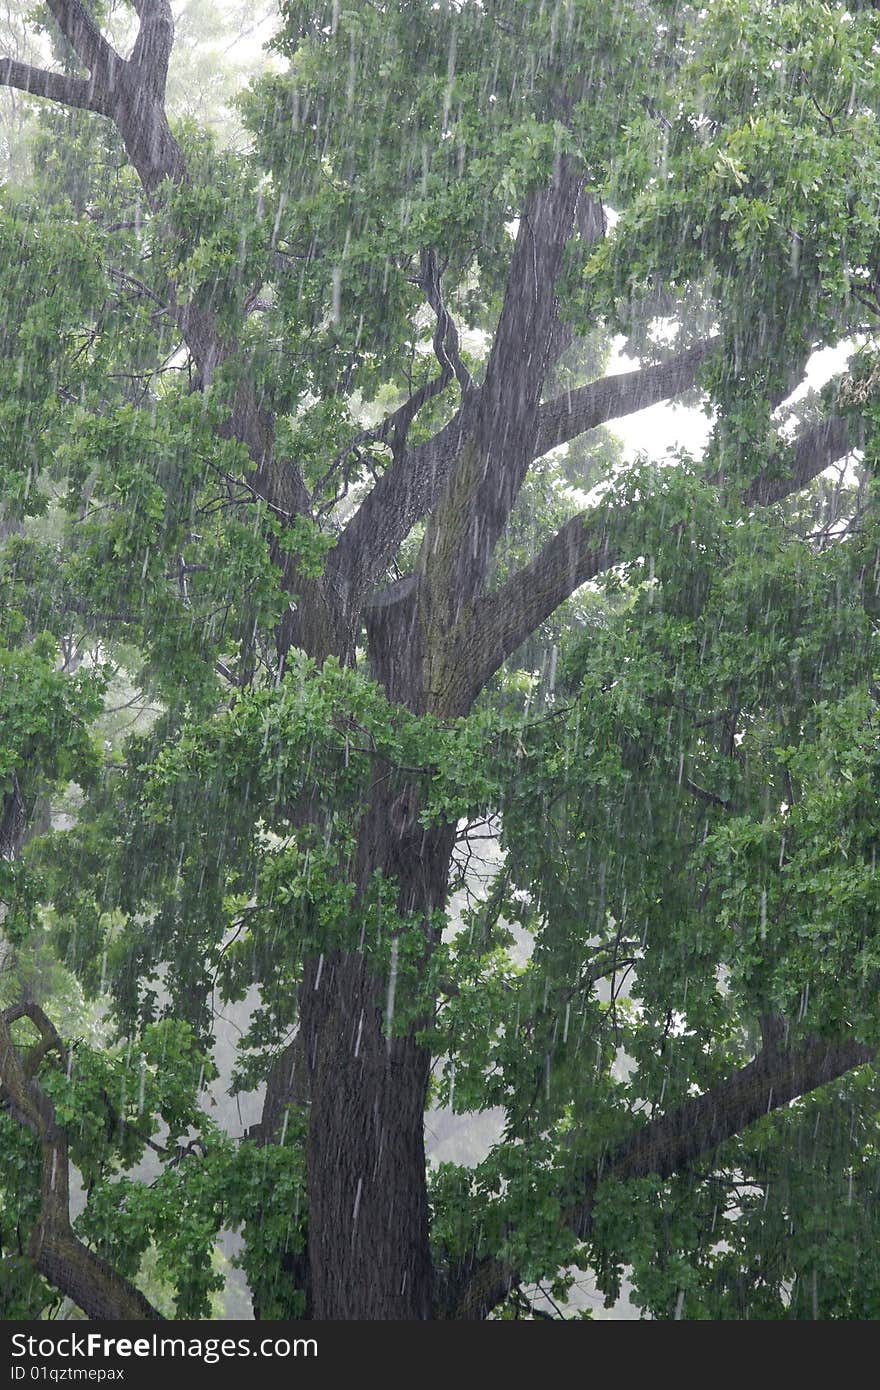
369	1254
368	1210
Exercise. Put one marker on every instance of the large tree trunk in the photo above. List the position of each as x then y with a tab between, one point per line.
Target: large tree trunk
369	1255
368	1211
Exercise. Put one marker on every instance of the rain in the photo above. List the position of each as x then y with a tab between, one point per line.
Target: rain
439	554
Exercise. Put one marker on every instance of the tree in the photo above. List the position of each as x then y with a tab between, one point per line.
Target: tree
281	434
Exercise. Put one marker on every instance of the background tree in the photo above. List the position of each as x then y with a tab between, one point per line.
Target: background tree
281	429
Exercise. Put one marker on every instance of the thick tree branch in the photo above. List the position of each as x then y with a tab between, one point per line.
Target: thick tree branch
502	621
673	1143
702	794
467	477
83	93
411	487
13	820
590	225
392	430
401	497
473	1289
55	1250
152	48
286	1084
129	92
84	36
472	512
612	397
817	448
586	546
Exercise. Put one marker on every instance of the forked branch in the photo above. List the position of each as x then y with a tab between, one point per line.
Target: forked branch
410	488
586	546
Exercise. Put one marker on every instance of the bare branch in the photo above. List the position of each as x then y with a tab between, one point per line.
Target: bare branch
612	397
702	794
446	341
83	93
392	431
122	277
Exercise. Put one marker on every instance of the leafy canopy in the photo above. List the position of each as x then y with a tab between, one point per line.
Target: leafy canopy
681	764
